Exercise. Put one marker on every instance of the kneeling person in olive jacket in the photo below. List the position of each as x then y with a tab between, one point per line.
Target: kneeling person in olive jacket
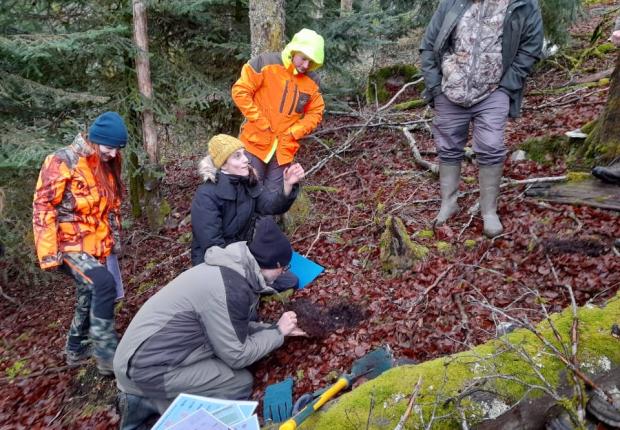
199	333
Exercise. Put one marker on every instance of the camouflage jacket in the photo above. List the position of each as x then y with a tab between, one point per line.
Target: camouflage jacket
522	39
71	213
472	65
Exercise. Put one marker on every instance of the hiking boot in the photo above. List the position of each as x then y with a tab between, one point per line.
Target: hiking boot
611	174
489	179
135	411
76	357
449	178
105	366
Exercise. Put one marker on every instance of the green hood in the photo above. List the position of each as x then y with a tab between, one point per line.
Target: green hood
309	43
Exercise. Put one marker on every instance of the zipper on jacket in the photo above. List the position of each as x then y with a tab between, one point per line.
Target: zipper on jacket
294	100
284	96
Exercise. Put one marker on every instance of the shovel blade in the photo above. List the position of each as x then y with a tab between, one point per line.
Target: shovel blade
372	364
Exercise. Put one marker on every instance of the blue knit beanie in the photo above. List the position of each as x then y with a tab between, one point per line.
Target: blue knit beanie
108	130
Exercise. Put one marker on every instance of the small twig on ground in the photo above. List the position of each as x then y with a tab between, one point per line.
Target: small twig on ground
370	408
405	417
8	298
424	295
393	99
416	153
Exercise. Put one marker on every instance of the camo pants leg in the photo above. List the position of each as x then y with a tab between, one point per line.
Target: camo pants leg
95	304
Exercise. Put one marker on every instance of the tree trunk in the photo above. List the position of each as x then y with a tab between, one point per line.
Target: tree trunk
317	12
603	142
143	70
267	24
346	7
148	185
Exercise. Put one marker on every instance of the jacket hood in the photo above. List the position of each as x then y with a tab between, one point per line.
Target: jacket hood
309	43
207	170
238	257
81	147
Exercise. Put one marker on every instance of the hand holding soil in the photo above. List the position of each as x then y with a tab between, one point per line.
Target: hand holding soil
287	324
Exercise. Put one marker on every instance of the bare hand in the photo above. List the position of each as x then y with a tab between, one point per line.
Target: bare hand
287	324
293	174
615	38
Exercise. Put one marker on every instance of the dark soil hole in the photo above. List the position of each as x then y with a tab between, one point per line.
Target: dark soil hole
320	322
589	247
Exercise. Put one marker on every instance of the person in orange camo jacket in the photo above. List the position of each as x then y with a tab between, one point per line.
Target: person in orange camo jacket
76	221
278	94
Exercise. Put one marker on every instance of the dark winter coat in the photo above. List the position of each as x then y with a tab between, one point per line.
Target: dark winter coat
224	211
522	42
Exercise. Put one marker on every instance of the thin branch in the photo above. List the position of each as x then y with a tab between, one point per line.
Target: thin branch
405	417
416	153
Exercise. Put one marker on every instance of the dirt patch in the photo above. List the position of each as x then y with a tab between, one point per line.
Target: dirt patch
589	247
320	322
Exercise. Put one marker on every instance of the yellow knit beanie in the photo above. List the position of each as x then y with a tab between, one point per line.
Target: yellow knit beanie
221	146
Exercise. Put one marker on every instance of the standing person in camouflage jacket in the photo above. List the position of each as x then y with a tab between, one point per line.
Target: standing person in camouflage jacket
198	334
476	55
76	221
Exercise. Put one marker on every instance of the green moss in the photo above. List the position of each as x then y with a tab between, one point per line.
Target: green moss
589	126
145	286
544	149
298	213
397	250
315	188
578	176
378	79
17	369
606	48
425	234
447	376
185	237
411	104
469	179
443	247
470	244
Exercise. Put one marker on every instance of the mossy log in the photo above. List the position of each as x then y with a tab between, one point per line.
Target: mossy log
603	142
397	251
445	379
395	76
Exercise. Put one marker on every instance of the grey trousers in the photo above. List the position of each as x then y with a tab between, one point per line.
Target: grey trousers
270	174
488	118
209	378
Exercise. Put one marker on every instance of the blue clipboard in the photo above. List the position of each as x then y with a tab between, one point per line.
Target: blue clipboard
305	269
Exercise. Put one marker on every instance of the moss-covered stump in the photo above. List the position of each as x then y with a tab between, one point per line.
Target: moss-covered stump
298	213
382	82
398	251
446	378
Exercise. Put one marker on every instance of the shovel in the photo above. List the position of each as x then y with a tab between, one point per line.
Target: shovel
370	365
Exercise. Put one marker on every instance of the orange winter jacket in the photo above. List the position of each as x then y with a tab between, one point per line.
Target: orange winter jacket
70	214
278	103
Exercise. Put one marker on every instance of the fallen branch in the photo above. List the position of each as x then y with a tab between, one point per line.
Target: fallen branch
416	153
405	417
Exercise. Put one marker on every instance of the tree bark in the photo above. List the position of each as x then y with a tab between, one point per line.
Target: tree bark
604	141
346	7
156	208
144	80
267	24
317	12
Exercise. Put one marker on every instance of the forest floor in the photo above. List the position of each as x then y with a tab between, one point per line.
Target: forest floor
374	178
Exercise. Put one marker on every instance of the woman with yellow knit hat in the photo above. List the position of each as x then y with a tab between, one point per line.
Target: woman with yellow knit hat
227	204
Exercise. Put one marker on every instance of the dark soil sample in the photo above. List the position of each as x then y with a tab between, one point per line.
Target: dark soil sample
320	322
589	247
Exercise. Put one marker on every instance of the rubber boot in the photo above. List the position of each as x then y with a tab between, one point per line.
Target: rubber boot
610	174
449	178
489	179
135	411
104	340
